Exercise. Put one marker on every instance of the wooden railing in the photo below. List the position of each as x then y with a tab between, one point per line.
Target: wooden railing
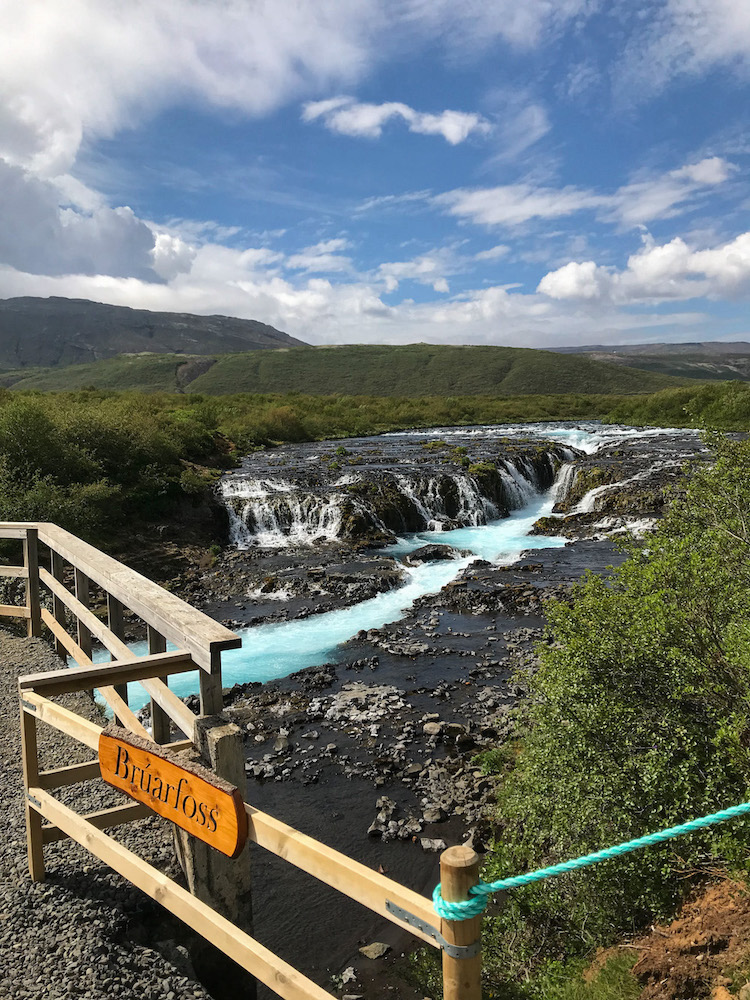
199	639
199	642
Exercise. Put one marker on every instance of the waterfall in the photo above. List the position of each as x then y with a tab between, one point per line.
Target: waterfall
565	481
589	501
302	506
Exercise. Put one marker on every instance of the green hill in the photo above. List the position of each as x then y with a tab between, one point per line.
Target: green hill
411	370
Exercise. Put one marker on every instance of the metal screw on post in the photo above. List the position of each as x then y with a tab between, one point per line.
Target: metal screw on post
462	977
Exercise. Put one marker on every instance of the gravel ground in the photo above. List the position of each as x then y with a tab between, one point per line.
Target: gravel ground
85	932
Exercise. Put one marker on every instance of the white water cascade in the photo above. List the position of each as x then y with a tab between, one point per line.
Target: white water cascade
283	512
277	649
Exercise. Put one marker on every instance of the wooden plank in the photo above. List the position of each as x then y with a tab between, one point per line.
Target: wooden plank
10	531
182	624
67	641
33	597
184	792
160	722
82	595
335	869
116	624
71	774
107	638
16	571
175	708
14	611
30	758
80	729
58	606
96	675
103	819
112	698
178	745
280	977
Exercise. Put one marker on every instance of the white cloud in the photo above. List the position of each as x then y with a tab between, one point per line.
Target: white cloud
672	271
494	253
316	310
427	269
477	23
397	201
85	68
684	37
171	256
88	67
349	117
322	257
630	205
515	204
37	235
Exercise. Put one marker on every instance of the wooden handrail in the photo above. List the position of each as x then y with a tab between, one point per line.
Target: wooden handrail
175	619
86	678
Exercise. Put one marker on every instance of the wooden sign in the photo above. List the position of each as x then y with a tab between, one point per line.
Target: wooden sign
187	794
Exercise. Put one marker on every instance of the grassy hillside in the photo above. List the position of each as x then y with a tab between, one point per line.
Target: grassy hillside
705	367
411	370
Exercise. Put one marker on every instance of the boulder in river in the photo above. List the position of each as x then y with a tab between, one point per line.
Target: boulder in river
434	553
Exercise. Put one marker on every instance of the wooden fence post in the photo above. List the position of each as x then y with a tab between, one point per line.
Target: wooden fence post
58	608
82	583
31	777
222	883
212	702
160	723
117	625
462	977
31	562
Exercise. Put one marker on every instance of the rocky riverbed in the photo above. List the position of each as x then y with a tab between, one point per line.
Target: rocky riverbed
377	750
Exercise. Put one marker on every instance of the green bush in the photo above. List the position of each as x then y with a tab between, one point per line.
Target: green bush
638	719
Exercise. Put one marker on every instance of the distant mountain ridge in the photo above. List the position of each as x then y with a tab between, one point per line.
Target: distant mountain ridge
688	347
52	332
704	359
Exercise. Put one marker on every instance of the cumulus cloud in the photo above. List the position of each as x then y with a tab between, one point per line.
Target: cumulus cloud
630	205
89	67
427	269
672	271
38	235
349	117
171	256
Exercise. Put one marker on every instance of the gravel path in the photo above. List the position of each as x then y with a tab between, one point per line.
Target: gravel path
85	932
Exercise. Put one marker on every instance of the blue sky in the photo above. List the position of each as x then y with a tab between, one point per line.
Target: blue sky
537	174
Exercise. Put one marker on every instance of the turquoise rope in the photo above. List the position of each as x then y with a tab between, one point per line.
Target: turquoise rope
475	906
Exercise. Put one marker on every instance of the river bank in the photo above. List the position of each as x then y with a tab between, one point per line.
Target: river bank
371	747
373	750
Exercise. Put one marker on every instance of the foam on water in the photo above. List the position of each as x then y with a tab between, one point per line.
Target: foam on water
587	436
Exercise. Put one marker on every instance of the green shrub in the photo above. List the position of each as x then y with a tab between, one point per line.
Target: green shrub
638	718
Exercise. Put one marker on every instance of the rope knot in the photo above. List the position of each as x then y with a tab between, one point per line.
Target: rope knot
465	909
